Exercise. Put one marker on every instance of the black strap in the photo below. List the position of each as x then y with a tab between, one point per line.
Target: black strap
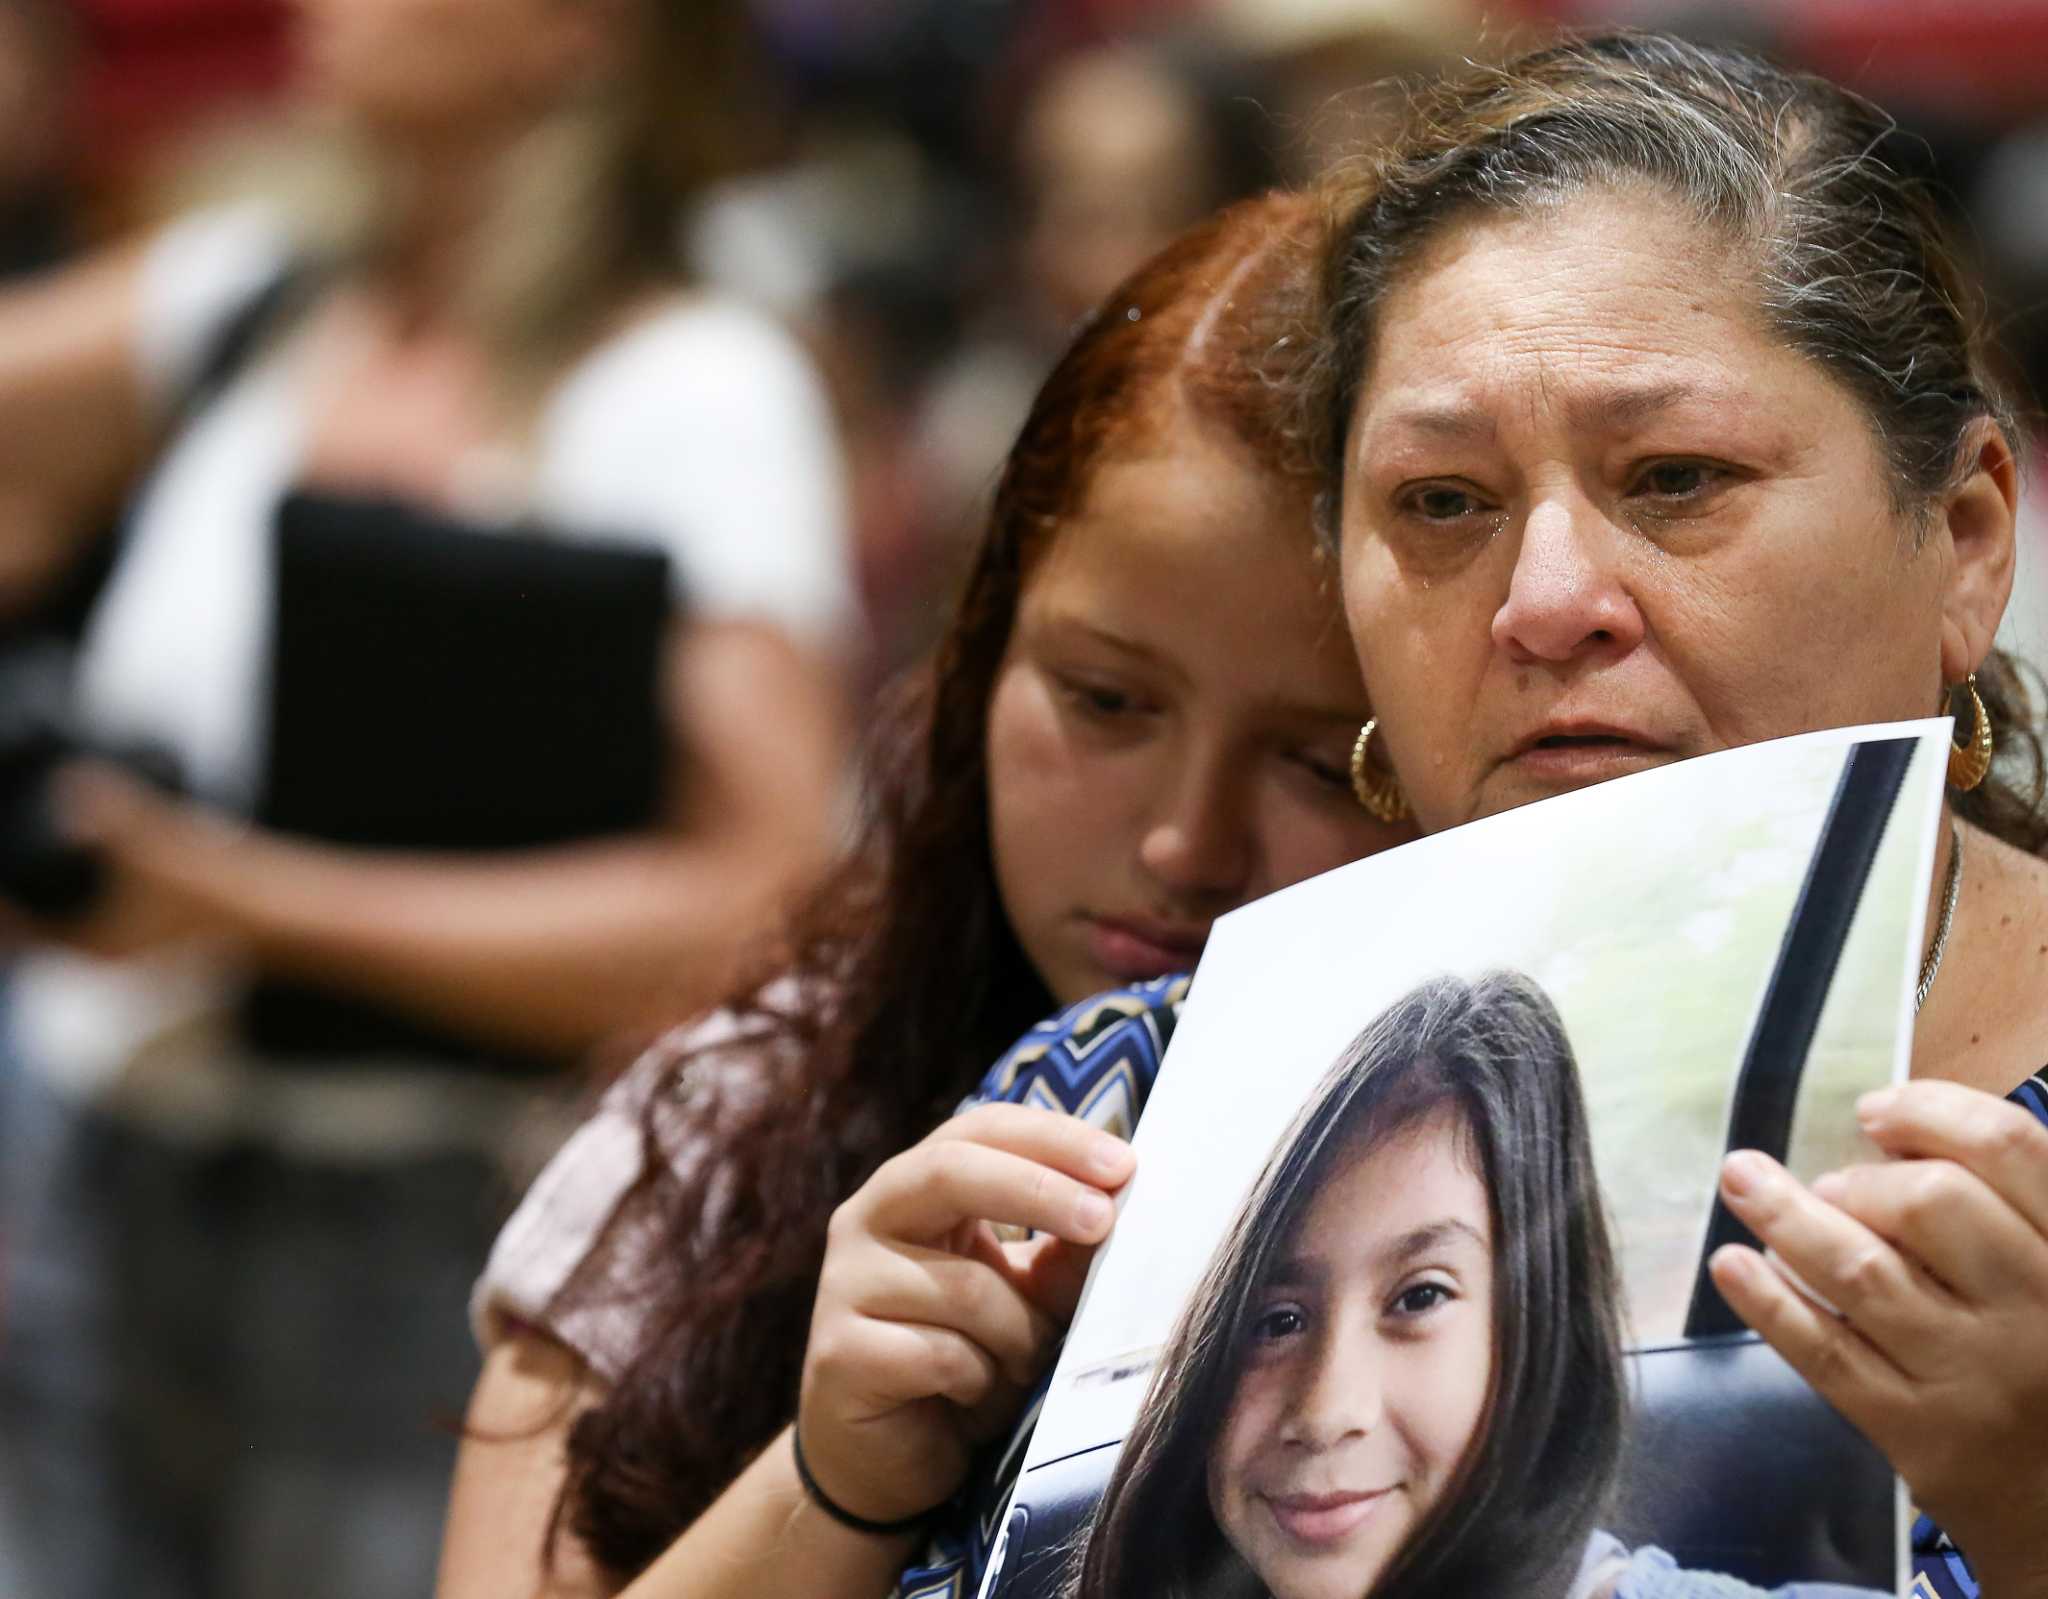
270	308
1767	1087
839	1513
60	614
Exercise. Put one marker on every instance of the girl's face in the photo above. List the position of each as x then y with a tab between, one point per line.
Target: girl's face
1170	732
1365	1369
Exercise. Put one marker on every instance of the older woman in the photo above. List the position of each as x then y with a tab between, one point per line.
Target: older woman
1664	423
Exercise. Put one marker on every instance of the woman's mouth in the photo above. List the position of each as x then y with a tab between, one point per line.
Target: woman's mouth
1571	756
1324	1518
1132	949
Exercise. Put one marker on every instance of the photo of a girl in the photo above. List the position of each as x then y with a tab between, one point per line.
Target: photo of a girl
1402	1372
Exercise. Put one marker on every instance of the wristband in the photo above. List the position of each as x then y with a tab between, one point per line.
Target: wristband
839	1513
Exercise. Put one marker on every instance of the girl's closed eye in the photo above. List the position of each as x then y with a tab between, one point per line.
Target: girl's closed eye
1099	699
1329	769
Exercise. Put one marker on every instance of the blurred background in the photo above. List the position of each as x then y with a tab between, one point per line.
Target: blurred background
899	208
945	185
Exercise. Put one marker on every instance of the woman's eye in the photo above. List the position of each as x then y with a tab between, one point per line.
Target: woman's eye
1440	502
1678	480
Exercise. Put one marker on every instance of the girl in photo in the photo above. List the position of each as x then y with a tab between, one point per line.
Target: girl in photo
1402	1373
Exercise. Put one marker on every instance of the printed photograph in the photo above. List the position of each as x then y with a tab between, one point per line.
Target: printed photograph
1409	1293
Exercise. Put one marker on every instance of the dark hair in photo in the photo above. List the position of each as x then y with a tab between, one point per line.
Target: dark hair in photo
1494	1055
903	981
1844	250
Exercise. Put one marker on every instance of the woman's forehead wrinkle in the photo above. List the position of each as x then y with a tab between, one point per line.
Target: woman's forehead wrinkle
1452	423
1598	406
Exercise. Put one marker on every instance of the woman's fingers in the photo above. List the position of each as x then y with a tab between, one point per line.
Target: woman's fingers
1895	1307
1997	1140
1939	1263
1829	1353
1947	1220
1007	1164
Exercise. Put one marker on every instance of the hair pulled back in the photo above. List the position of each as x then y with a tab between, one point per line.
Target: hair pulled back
1493	1055
904	980
1850	261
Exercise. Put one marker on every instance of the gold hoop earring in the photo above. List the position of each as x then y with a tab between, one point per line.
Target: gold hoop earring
1380	793
1968	763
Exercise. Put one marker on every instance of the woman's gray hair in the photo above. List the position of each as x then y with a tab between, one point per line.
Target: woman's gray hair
1851	263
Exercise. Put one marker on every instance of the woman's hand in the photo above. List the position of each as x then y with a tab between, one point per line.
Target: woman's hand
928	1330
163	861
1938	1263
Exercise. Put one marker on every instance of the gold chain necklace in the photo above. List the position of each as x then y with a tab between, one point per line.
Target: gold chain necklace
1951	887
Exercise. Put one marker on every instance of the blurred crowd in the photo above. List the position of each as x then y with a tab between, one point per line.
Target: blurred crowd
931	193
781	280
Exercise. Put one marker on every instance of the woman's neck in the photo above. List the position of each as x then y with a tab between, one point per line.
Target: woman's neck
435	206
1985	1022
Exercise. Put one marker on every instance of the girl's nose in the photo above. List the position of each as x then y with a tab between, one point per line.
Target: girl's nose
1198	842
1337	1395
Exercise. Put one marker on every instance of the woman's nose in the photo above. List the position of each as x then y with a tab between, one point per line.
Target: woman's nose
1198	842
1566	596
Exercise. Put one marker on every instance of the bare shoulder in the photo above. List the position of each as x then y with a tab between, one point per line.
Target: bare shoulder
1986	1019
509	1475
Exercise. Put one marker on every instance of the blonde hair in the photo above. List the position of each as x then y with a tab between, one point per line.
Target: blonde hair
586	208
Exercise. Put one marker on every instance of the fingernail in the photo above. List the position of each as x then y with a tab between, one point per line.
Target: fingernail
1745	1173
1830	1185
1109	1157
1733	1260
1092	1212
1876	1104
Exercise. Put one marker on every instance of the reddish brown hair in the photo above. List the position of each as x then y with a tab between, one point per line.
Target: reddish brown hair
908	978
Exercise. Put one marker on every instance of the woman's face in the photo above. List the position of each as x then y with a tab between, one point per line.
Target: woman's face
1597	519
441	68
1170	730
1365	1369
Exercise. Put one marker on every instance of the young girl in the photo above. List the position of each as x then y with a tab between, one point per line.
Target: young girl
1402	1371
1141	717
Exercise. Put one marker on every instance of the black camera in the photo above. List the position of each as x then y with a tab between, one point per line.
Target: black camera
41	870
